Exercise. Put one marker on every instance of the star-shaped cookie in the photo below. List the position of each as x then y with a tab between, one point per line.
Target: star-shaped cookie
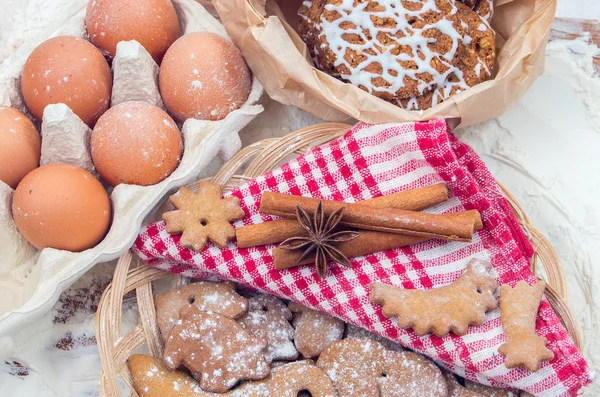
203	216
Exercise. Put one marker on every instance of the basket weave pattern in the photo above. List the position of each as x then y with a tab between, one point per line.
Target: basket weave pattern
115	347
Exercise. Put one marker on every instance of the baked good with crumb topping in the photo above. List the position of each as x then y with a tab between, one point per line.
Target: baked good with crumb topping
415	54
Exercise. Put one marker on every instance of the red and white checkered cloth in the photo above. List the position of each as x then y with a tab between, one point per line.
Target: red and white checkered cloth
370	161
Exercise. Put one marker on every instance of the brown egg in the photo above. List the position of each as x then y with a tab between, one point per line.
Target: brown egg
20	146
204	76
67	70
152	23
135	143
61	206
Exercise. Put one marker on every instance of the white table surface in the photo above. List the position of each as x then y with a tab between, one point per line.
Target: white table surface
588	9
62	359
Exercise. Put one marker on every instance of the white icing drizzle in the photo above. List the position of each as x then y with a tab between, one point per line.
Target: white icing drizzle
490	12
374	52
413	103
413	37
481	64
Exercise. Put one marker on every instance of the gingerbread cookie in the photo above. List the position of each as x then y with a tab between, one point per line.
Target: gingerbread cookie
278	364
452	308
291	379
354	366
151	378
410	374
315	330
400	53
269	318
203	216
354	332
362	367
216	349
220	298
518	311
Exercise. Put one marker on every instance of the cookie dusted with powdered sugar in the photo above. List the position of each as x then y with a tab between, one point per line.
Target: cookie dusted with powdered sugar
412	53
220	298
151	378
315	330
216	349
294	379
364	368
269	318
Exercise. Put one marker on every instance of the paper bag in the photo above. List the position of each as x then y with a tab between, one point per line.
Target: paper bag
265	31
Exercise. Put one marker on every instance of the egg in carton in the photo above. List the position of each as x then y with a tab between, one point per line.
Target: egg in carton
32	280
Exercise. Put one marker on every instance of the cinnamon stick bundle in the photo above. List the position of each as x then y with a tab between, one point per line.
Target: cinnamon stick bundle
282	229
455	227
368	242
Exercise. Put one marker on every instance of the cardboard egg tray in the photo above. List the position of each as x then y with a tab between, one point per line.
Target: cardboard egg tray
38	277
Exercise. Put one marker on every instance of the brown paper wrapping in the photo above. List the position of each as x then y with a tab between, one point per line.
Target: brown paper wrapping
265	32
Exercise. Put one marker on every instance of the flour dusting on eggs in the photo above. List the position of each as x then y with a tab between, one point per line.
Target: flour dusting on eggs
19	146
62	70
152	23
132	144
206	87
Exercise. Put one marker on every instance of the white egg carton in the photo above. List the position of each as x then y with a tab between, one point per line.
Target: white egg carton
32	281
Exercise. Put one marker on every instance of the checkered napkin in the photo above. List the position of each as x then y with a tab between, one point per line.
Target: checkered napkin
370	161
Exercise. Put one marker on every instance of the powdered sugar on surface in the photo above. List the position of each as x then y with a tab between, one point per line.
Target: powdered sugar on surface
543	152
58	356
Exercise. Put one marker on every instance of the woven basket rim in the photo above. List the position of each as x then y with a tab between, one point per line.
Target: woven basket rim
258	158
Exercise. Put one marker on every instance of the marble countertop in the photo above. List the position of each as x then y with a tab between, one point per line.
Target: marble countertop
61	357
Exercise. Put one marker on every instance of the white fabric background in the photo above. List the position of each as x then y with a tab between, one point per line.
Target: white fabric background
57	373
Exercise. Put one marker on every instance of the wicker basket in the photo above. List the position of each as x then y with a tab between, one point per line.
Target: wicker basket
256	159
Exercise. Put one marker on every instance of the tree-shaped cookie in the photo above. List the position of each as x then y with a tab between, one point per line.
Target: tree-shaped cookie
203	216
269	318
216	349
453	308
219	297
518	310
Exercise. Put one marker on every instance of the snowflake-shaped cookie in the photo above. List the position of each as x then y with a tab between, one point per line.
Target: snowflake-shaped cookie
203	216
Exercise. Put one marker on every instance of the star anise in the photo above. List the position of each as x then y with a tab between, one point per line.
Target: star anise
322	238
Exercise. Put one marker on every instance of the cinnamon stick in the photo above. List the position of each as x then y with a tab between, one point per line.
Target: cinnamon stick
368	242
282	229
455	227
